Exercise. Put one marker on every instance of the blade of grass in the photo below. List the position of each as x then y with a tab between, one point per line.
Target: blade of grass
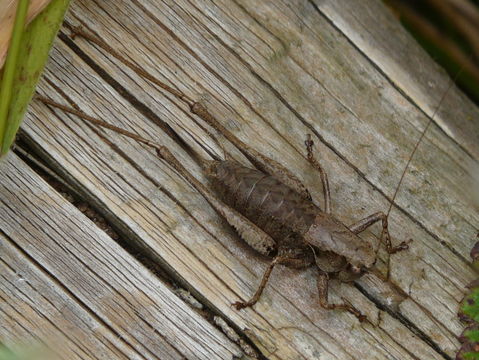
36	42
11	67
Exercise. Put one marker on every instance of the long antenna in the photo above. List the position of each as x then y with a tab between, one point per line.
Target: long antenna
98	122
451	82
423	133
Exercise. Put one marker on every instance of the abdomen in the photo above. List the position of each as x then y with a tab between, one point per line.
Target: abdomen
275	208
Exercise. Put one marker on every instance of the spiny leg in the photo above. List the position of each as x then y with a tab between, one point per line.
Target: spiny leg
323	280
241	305
385	238
261	162
252	234
324	177
78	31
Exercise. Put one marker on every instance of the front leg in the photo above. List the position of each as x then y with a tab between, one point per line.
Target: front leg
385	238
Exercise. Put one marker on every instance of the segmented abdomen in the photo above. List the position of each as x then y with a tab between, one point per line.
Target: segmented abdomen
278	210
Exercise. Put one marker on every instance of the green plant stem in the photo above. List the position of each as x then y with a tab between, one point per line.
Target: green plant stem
10	66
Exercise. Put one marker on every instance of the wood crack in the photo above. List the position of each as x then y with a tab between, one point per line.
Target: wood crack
393	84
139	249
406	322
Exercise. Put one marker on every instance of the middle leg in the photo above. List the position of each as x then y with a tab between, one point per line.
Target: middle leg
323	283
241	305
324	177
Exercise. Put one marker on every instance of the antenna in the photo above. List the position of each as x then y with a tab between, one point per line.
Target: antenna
423	133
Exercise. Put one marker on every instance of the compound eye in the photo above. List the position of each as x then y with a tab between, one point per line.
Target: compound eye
270	250
355	269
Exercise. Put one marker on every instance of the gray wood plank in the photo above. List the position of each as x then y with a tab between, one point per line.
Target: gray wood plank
407	66
66	283
35	310
271	72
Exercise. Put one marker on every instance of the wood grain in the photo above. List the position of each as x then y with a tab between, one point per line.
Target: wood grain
407	66
272	72
67	284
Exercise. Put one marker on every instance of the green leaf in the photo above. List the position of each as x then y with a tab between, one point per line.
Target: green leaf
473	335
6	354
28	351
470	308
11	64
32	55
471	305
471	355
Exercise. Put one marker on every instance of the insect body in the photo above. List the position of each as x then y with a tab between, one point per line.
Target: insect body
283	222
270	208
273	212
302	235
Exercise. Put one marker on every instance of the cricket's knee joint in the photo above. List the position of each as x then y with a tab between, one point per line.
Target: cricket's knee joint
401	247
309	141
382	216
238	305
325	305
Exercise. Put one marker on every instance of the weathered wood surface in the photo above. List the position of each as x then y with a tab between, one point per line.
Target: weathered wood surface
272	72
67	283
378	35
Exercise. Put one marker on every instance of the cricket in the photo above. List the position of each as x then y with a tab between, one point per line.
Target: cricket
270	208
240	180
272	211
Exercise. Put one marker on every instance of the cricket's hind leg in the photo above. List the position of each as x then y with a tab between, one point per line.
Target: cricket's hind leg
261	162
252	234
324	177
